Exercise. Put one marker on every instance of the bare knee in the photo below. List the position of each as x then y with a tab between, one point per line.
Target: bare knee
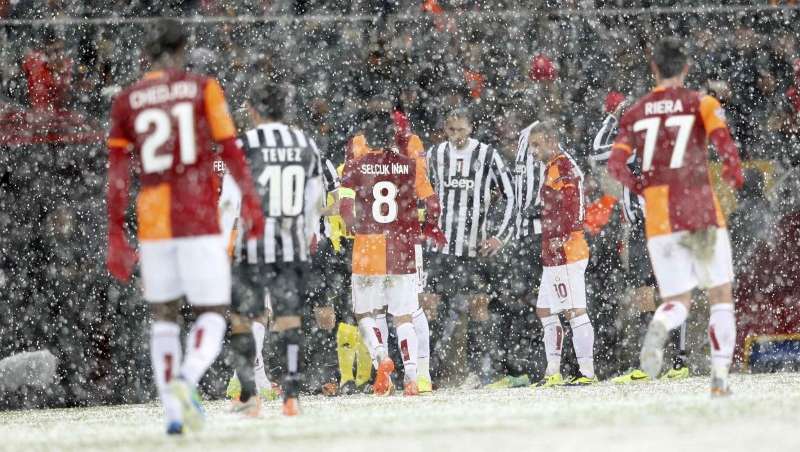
479	308
572	313
288	322
166	312
721	294
401	319
644	298
543	312
241	324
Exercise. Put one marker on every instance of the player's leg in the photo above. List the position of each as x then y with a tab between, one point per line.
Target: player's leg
643	300
247	303
722	320
479	337
383	327
163	291
422	329
347	341
288	294
263	385
673	269
401	294
205	274
165	355
573	275
552	330
365	293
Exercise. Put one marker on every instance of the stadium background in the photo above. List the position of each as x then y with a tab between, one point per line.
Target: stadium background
511	61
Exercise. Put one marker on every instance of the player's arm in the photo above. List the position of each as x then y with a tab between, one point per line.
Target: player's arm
503	181
224	133
433	209
621	151
717	131
121	256
603	141
347	193
570	208
314	193
330	178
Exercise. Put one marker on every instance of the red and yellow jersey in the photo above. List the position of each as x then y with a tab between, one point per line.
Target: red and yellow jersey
171	121
563	212
668	130
385	187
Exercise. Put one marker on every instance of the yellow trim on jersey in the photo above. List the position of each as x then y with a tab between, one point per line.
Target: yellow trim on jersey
345	192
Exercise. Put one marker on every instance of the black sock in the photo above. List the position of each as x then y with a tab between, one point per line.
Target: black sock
678	344
477	344
290	347
243	357
644	322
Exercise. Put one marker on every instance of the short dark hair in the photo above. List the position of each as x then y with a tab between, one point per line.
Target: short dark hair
460	113
167	37
670	57
379	130
269	100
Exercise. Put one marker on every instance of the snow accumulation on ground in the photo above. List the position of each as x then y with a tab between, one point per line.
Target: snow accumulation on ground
645	417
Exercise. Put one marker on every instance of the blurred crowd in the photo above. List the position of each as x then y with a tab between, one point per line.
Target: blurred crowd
428	57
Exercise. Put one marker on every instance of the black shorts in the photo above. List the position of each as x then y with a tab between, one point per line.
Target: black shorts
330	280
451	275
285	283
640	269
518	268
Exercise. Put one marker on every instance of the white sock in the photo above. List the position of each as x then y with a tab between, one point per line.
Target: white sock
553	339
423	331
383	329
409	347
583	343
369	334
202	346
671	314
722	337
165	356
262	381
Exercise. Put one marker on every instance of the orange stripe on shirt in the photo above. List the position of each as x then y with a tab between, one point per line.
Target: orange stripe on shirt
219	118
153	212
421	182
118	143
369	254
712	114
623	147
656	203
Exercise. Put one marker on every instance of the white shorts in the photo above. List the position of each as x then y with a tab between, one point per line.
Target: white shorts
197	267
399	292
678	271
563	287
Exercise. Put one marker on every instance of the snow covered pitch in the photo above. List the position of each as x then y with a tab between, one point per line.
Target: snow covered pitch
678	416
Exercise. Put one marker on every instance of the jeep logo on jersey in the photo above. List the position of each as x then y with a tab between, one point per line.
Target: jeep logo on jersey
459	183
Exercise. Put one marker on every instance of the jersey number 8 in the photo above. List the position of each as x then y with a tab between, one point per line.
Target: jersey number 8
161	124
385	194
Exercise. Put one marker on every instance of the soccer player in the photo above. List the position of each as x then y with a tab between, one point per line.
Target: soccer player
379	191
465	174
287	167
640	271
565	255
668	130
410	145
173	122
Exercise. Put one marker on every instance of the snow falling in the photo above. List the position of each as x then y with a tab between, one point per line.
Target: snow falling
72	336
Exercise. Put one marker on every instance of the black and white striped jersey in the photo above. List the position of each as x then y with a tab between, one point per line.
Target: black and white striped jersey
632	204
528	180
467	182
330	179
287	170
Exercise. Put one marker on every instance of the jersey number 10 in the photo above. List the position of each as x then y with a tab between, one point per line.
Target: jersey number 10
651	126
286	189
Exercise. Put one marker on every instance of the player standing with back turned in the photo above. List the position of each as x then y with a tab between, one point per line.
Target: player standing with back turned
669	130
172	121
